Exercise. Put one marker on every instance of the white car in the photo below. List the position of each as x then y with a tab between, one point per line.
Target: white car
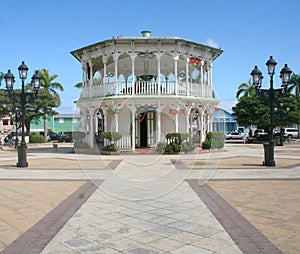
290	132
235	135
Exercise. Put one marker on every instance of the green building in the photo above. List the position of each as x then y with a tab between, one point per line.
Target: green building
58	123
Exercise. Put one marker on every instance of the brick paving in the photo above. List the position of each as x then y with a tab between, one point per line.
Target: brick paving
273	208
25	202
212	202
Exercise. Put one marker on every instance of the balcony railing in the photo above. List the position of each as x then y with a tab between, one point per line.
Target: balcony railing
147	88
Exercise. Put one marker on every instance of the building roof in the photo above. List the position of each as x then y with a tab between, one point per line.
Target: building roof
144	40
221	114
67	116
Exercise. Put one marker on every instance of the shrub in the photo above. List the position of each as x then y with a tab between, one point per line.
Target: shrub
188	147
173	147
110	148
185	136
206	144
214	140
111	136
36	138
161	147
174	137
177	142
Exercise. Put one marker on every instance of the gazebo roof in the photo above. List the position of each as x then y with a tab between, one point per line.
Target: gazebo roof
127	40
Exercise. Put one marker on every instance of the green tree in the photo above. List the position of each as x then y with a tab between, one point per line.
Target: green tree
245	90
1	77
78	85
251	111
48	92
255	110
47	99
295	84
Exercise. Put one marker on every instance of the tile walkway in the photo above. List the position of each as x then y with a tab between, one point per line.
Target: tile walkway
218	202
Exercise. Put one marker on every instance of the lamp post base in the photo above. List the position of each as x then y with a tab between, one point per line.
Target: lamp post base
270	163
22	156
269	154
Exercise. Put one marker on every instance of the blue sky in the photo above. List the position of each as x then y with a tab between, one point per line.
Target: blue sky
44	32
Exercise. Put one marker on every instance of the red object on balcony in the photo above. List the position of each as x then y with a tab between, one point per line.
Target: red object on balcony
195	60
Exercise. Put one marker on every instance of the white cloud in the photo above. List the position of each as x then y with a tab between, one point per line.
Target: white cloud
227	105
210	42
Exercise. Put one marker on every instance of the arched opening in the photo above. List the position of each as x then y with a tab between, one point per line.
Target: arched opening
100	127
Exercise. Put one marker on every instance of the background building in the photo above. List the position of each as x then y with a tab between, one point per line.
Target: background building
223	121
58	123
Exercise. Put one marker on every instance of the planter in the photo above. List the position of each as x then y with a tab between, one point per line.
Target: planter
166	153
102	152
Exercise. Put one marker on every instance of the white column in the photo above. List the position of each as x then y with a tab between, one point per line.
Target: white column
87	124
91	78
116	75
187	77
176	58
133	129
210	79
82	77
91	133
158	126
104	72
202	126
202	79
105	120
188	121
132	73
158	74
176	123
117	122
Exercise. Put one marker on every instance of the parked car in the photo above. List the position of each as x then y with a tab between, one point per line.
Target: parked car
60	137
290	132
259	132
235	135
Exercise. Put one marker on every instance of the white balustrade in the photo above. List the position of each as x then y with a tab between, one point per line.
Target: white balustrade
124	142
146	88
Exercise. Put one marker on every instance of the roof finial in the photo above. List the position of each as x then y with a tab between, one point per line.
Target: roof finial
146	33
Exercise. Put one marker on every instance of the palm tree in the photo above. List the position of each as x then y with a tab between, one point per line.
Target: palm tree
1	77
245	89
50	86
295	81
78	85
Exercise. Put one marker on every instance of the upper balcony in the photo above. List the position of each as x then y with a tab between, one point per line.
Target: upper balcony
147	88
146	66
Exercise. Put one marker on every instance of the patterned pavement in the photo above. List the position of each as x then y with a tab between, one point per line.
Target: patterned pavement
77	201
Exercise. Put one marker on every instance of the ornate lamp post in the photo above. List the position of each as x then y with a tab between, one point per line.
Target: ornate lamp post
257	77
9	80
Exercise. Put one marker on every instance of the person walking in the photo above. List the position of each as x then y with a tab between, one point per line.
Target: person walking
1	140
10	140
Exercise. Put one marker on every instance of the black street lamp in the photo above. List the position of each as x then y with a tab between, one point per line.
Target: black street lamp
25	97
257	77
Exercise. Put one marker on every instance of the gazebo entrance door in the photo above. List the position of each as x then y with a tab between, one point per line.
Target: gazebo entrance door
145	129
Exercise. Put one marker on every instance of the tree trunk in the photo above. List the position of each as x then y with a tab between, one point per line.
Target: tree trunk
27	128
45	127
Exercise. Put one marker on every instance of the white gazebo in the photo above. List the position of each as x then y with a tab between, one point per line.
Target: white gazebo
145	87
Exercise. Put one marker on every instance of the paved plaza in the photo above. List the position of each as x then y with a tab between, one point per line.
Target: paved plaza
217	202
